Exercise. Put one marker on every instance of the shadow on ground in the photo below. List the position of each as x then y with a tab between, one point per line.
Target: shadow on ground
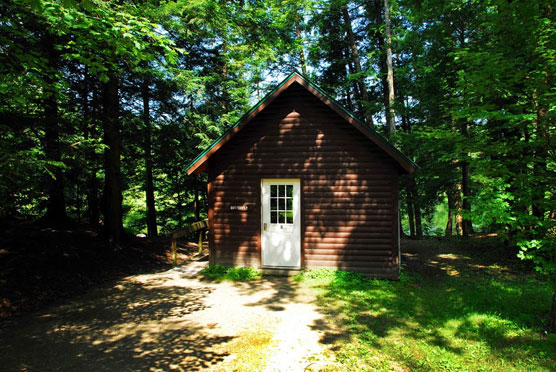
131	326
453	305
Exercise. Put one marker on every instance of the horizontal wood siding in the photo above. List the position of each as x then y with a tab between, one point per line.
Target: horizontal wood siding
348	188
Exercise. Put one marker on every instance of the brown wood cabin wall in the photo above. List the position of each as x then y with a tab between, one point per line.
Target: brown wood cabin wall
348	188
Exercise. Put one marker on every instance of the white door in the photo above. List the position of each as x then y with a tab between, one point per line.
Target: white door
281	223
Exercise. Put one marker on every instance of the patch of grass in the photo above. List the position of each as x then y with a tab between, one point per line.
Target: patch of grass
236	274
323	274
473	322
249	350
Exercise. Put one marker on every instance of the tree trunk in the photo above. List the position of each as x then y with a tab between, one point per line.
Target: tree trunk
91	185
152	230
406	125
390	112
112	174
11	202
467	228
552	320
416	208
410	187
179	203
224	77
410	212
403	235
196	200
418	219
348	99
458	208
204	195
449	224
196	211
540	164
56	203
78	204
466	224
538	194
375	11
465	188
356	88
301	52
357	62
92	199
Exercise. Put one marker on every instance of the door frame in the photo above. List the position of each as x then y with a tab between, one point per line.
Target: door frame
301	221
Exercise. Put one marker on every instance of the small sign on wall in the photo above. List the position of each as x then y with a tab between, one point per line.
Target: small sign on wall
238	207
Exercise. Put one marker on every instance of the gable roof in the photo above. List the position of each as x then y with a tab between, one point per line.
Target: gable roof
199	164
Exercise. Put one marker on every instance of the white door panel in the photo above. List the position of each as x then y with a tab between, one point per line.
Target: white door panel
281	223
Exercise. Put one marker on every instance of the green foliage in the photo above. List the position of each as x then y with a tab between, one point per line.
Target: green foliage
236	274
203	62
540	251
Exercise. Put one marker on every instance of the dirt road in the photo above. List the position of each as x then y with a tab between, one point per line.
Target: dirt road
172	320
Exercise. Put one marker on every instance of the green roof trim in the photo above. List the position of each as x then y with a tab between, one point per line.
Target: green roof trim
323	93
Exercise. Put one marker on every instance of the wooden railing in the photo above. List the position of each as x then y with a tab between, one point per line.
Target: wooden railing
196	226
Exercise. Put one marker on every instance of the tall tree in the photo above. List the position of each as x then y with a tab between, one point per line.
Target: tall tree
91	109
390	111
359	76
149	187
56	205
299	39
112	193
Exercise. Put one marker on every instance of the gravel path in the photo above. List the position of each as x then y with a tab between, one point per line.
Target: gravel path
173	321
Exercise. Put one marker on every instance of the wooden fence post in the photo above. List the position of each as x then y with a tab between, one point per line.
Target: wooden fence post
197	226
201	241
173	249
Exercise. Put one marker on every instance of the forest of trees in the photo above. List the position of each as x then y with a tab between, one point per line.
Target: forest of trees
103	104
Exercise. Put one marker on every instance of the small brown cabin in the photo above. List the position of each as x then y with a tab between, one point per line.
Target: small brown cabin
299	182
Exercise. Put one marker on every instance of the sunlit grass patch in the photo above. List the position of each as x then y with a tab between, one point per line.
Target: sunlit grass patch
466	323
249	351
324	275
219	272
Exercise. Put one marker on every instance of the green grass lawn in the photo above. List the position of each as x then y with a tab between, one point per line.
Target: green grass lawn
465	316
